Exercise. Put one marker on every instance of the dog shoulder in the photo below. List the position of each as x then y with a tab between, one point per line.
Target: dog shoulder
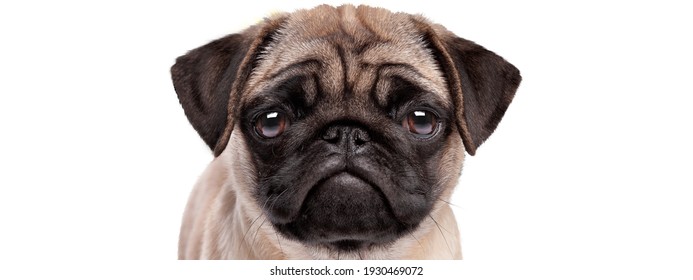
200	203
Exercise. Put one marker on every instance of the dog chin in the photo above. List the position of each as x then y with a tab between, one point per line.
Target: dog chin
345	212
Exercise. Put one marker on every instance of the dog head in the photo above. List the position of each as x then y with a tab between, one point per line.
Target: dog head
355	119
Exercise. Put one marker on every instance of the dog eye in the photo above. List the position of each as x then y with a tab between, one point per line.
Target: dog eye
421	123
271	124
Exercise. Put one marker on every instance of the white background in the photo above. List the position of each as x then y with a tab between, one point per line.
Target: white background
588	174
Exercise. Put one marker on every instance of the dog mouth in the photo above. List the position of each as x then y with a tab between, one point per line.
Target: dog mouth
344	212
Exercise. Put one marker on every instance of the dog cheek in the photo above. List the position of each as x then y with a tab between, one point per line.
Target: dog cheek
285	182
409	199
448	164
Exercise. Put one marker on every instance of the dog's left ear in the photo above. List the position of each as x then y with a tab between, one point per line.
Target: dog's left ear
481	83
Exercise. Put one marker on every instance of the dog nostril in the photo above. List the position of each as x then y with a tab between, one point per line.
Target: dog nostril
349	136
361	137
332	135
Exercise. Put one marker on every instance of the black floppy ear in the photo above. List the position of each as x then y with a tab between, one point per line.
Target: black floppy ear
488	84
210	79
203	79
482	84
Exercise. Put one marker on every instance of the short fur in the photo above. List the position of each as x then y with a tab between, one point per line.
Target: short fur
341	74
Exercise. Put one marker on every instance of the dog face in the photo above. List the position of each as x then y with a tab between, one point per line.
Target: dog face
355	119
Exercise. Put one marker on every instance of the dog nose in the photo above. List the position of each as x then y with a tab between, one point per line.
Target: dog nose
348	137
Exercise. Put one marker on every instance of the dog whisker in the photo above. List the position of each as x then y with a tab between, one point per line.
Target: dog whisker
248	230
281	249
252	223
449	203
252	244
256	232
275	199
442	235
417	240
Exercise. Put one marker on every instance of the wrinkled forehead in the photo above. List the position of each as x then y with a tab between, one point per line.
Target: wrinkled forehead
347	51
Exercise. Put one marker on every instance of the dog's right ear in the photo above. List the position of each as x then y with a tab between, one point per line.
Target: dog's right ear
208	81
203	78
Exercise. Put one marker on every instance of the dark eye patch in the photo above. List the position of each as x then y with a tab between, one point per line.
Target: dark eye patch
292	91
288	95
405	96
401	92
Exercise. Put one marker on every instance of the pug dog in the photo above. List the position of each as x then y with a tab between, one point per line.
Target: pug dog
338	133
